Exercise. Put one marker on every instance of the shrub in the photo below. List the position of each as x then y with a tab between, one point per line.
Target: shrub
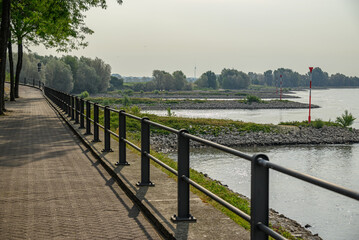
318	123
128	92
126	101
251	98
346	119
84	94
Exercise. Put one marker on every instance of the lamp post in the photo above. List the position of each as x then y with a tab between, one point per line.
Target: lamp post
310	91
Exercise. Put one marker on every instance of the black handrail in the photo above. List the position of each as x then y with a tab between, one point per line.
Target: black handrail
260	164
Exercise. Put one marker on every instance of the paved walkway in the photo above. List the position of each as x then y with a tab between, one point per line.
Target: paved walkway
50	185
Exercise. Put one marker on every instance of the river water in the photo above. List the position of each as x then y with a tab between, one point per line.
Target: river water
331	216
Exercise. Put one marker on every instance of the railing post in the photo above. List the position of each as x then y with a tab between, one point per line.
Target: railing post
145	149
33	82
121	138
82	111
95	125
107	125
25	81
183	187
72	107
68	100
259	197
39	84
77	108
88	117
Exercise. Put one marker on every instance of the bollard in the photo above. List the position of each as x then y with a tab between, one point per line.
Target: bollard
145	149
33	82
121	138
107	125
88	117
25	81
95	125
183	187
82	111
259	197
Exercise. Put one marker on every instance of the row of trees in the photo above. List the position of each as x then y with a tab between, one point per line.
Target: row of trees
291	78
53	23
68	73
162	80
234	79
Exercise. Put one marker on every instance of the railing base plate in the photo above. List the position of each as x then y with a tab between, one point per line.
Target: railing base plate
175	219
149	184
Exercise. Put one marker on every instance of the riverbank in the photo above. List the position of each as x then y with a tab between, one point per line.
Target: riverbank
286	135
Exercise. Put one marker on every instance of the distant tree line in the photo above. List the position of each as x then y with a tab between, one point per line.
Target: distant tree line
164	81
234	79
68	73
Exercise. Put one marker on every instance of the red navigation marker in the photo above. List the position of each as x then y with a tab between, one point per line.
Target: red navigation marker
310	92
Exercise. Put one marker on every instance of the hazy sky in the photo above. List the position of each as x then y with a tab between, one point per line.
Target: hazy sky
249	35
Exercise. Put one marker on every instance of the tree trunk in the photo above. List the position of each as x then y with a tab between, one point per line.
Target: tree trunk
18	68
11	63
4	37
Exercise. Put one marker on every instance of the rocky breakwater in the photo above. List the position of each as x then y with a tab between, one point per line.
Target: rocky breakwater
285	135
224	104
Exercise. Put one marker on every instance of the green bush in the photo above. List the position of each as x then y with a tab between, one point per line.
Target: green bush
126	101
251	98
84	94
317	123
346	119
128	92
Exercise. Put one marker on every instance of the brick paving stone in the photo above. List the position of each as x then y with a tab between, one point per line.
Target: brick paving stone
51	187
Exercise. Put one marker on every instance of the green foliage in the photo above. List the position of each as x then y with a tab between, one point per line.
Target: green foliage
317	123
156	92
84	94
126	101
58	75
346	119
233	79
116	83
169	112
251	99
207	80
128	92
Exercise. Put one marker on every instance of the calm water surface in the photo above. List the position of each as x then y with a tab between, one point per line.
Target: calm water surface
330	215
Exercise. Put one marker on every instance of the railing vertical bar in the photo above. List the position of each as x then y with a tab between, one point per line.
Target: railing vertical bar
145	148
107	125
95	125
121	138
259	197
183	202
82	111
88	117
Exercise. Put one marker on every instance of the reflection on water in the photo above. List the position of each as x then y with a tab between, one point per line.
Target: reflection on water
331	215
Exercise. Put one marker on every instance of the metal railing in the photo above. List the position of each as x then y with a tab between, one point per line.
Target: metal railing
260	164
32	82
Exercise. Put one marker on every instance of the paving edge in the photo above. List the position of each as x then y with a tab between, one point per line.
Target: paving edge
161	229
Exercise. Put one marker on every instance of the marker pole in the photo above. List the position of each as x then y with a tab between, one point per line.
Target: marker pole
310	92
281	81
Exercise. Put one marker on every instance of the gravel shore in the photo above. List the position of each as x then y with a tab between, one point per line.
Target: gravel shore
286	135
224	104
